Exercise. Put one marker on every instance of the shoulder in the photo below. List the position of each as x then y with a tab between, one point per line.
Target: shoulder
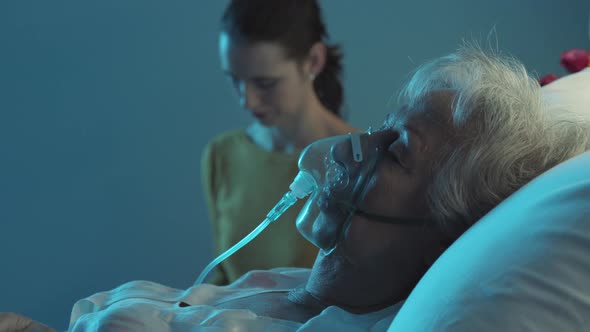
228	138
225	143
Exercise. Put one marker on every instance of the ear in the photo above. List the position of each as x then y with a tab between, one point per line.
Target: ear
316	59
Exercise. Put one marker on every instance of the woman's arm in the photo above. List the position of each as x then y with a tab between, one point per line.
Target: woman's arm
12	322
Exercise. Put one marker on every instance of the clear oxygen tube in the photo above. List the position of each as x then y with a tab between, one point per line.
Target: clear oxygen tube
302	185
317	172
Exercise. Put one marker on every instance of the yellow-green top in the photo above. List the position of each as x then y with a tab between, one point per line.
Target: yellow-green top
241	183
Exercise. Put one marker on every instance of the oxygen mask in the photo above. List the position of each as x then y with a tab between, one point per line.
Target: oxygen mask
342	167
335	171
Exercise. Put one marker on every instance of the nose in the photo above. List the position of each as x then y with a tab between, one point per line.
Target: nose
355	159
385	137
351	150
249	98
346	153
341	152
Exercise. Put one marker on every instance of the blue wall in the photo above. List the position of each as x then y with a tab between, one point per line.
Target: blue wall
105	107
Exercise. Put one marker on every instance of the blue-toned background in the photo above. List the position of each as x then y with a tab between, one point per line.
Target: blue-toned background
106	105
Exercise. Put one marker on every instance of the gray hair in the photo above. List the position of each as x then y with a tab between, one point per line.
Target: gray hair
504	133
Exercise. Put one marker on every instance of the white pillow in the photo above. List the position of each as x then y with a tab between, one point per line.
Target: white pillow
571	92
525	266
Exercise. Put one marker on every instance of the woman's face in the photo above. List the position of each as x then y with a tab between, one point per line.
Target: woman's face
409	141
271	87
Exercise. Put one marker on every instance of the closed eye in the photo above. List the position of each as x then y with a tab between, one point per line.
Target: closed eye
395	158
265	83
399	153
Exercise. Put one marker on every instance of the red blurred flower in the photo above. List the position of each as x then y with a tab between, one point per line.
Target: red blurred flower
575	60
547	79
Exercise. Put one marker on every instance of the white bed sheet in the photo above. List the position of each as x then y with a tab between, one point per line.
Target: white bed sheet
148	306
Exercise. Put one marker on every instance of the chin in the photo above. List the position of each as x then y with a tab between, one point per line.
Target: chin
269	119
337	256
263	122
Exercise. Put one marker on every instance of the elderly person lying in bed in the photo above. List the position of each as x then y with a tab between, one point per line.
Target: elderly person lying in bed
472	129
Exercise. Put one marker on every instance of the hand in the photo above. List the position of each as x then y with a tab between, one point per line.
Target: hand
11	322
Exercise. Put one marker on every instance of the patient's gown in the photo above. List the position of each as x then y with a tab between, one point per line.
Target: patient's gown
148	306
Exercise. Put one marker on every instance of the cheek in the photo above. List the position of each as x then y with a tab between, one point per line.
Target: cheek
365	239
393	193
287	97
384	246
385	194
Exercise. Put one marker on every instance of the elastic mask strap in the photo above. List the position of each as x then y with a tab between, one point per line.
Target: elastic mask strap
395	220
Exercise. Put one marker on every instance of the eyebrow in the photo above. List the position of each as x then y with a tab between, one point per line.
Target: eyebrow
395	117
389	120
255	78
398	116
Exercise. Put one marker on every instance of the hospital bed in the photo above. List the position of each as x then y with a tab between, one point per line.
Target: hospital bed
525	266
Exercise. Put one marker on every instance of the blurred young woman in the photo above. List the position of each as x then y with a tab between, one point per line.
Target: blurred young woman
286	75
